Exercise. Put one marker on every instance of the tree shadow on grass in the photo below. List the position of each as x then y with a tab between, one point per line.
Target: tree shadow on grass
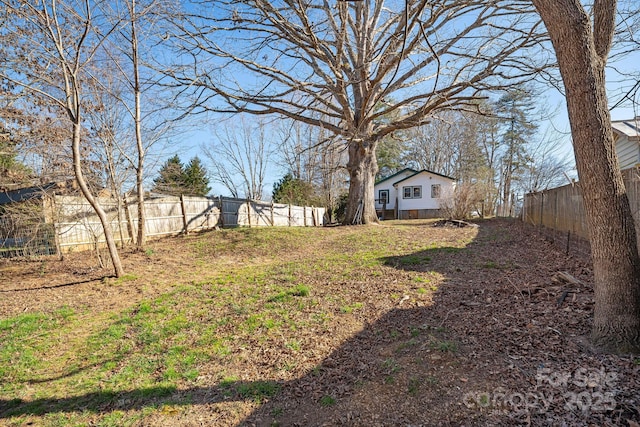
396	370
403	361
60	285
415	364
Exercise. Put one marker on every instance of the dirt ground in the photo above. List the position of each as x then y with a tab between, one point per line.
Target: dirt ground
501	341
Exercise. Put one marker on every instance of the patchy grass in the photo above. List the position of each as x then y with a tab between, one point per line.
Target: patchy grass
229	314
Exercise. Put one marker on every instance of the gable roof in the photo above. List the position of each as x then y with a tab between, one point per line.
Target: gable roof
396	174
423	171
629	127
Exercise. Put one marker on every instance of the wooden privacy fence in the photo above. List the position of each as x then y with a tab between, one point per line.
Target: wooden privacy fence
562	210
78	228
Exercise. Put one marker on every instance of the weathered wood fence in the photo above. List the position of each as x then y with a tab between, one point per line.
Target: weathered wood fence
78	228
562	210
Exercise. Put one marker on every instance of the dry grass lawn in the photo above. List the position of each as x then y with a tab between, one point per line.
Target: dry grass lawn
398	324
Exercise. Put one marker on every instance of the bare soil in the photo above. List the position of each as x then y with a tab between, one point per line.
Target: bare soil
497	342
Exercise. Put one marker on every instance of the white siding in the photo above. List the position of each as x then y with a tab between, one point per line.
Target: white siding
628	152
388	185
425	180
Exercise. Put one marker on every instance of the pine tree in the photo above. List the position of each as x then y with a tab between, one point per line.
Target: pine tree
196	179
172	178
515	108
293	191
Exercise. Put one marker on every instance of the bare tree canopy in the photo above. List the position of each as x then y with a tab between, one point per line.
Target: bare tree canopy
345	66
239	155
48	46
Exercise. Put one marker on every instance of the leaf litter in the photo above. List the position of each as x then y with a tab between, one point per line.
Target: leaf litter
403	324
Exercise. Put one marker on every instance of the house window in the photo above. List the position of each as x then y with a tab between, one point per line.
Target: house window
435	191
383	197
412	192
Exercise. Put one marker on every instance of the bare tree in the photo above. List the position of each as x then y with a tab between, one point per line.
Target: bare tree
582	41
448	145
144	102
344	67
239	157
36	131
108	134
300	149
50	45
313	155
547	164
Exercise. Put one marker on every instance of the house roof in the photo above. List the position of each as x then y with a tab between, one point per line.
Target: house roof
28	193
423	171
396	174
629	127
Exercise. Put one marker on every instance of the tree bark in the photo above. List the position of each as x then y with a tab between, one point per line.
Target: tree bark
108	234
141	237
582	53
362	167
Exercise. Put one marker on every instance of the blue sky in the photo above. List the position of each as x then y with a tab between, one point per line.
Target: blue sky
552	99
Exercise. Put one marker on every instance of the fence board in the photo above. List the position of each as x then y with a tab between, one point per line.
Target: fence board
79	228
68	223
562	208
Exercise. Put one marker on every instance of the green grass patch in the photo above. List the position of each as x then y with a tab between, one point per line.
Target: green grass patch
296	291
327	400
445	346
413	386
258	391
125	278
350	308
241	298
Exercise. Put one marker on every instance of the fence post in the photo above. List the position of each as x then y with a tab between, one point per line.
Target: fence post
541	206
54	224
304	215
221	218
289	219
184	214
249	212
313	216
555	211
272	223
127	213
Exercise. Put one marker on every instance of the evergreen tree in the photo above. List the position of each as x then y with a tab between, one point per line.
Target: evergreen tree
196	179
390	156
12	172
171	179
515	108
294	191
176	179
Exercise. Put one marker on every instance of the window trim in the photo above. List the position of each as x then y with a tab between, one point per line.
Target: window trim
438	188
386	198
415	192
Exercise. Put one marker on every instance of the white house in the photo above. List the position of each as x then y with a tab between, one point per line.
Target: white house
411	194
625	133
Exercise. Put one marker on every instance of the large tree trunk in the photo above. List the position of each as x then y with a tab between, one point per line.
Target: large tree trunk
582	55
362	167
106	226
